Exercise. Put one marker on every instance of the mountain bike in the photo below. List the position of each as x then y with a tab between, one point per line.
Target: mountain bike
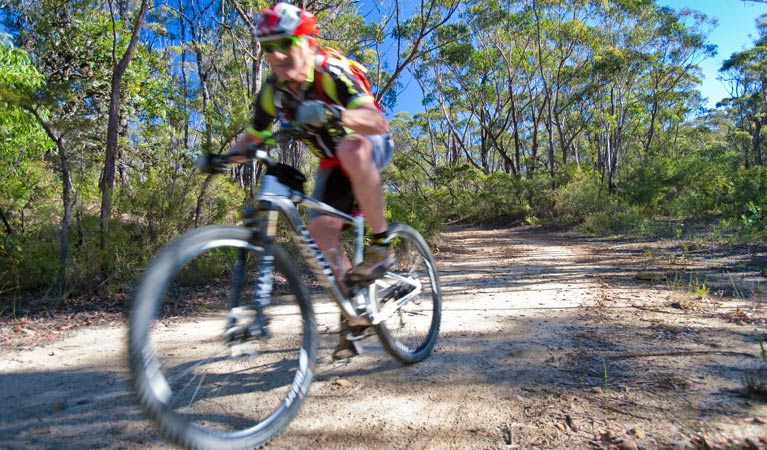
235	375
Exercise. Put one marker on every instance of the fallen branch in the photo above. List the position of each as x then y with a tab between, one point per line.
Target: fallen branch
644	308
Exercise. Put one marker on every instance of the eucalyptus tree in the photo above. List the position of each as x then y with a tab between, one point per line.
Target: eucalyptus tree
746	74
482	70
563	42
451	76
567	30
646	64
66	44
119	65
677	45
220	48
22	173
399	38
494	72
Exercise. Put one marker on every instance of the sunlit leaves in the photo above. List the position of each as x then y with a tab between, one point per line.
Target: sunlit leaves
22	141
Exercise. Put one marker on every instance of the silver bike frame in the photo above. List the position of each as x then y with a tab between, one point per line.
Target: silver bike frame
275	198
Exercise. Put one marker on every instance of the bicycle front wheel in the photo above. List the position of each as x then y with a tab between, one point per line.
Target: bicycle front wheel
409	335
203	391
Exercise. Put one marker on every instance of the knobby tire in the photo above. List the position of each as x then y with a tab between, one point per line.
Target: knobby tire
199	394
410	334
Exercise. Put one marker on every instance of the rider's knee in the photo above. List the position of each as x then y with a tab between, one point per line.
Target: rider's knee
354	151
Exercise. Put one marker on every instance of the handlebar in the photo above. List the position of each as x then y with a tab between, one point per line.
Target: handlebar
212	164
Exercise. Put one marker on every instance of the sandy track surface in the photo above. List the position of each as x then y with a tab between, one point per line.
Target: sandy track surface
548	340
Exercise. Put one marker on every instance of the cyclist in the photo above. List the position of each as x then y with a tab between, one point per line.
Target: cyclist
346	131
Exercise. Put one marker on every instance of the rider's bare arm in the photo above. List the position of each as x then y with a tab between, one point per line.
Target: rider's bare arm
365	119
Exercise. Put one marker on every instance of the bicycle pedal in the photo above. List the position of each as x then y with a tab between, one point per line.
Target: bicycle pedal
235	334
242	332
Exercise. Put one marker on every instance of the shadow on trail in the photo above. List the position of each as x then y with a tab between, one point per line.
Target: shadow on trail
539	371
542	362
44	412
730	272
535	365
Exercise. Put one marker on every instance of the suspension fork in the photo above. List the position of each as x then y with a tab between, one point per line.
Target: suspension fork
266	231
242	323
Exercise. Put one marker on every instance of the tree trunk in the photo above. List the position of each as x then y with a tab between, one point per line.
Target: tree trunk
517	138
66	220
613	146
8	227
756	142
113	126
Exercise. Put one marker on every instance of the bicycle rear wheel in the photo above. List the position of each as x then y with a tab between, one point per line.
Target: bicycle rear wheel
409	335
203	392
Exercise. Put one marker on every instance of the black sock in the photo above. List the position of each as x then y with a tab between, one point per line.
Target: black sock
380	238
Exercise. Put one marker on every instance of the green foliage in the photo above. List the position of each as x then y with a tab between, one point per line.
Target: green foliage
26	261
700	187
18	77
687	186
22	142
615	218
414	210
749	201
462	193
582	196
161	205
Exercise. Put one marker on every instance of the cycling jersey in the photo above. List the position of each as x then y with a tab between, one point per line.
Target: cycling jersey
276	102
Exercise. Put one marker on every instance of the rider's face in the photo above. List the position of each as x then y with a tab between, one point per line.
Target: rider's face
289	58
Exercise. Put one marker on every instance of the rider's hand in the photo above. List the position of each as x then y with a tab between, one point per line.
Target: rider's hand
211	164
318	114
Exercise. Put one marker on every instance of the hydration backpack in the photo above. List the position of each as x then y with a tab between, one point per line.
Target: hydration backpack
356	69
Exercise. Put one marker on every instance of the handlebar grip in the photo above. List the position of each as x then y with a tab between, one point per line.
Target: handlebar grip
251	149
212	164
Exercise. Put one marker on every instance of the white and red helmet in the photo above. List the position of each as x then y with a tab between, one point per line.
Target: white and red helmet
284	20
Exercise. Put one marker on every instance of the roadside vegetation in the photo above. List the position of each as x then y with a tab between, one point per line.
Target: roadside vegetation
579	114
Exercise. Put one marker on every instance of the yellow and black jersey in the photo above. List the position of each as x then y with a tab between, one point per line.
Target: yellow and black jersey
329	78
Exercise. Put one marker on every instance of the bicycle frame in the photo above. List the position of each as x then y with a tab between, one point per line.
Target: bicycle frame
276	199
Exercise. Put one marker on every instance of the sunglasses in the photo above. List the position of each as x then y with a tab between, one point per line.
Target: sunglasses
282	46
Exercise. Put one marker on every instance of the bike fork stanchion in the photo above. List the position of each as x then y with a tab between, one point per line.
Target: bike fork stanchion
265	270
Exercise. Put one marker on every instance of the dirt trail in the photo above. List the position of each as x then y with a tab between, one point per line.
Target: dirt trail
548	341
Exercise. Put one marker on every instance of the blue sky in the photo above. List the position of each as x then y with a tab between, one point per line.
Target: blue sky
735	31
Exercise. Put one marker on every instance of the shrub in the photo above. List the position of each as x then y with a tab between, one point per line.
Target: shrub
581	197
748	202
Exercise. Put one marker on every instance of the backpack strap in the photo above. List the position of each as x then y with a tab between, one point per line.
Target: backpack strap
356	70
318	89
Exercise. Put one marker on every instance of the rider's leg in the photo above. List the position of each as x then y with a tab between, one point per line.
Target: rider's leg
326	232
357	157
